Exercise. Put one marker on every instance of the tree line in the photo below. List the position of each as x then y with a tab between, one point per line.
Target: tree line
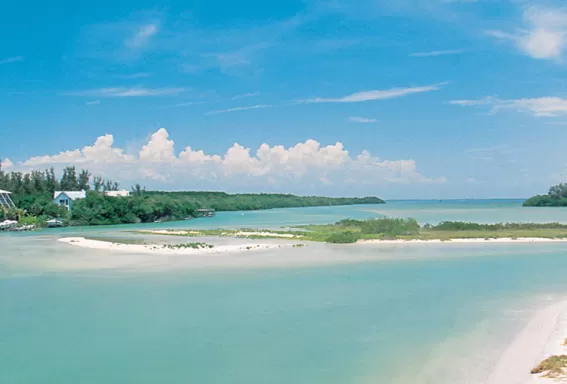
556	197
33	192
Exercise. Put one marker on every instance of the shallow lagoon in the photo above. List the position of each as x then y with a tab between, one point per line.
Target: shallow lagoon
398	314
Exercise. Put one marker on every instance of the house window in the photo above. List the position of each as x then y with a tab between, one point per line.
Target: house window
61	201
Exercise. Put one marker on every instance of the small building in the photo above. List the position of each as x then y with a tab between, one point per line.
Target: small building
66	198
5	200
122	193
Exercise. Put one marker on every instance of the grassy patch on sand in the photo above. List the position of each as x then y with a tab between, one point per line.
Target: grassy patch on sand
350	231
552	367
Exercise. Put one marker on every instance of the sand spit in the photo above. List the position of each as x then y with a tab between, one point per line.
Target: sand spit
165	250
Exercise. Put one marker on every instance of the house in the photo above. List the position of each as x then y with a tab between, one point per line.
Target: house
123	193
66	198
5	200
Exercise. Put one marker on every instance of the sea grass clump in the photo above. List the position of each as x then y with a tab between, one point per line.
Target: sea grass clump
553	367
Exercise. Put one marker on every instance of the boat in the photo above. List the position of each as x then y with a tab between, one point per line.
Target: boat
8	225
54	223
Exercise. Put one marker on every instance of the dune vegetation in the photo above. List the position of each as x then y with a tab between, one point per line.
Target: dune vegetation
351	231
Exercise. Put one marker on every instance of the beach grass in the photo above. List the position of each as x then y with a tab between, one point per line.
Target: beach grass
552	367
351	231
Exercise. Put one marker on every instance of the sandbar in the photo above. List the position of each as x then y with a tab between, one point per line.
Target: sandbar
165	250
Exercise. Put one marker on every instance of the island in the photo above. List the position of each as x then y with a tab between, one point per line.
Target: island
78	199
556	197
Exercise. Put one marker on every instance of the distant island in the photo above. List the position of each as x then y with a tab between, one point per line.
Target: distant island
95	201
556	197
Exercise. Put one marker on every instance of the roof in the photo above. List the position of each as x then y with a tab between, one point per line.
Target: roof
71	194
123	193
3	191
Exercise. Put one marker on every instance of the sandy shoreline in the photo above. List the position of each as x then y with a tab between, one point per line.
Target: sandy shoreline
543	337
164	250
466	241
236	234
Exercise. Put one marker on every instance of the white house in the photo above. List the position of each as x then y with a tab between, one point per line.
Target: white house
66	198
5	200
122	193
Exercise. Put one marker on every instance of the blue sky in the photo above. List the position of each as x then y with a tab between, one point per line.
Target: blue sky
420	99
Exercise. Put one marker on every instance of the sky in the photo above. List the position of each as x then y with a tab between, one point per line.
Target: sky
403	100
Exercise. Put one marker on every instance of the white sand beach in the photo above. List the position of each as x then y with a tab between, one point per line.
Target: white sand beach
236	234
543	337
465	241
268	234
164	250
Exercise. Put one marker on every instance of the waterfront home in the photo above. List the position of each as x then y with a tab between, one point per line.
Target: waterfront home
122	193
66	198
5	200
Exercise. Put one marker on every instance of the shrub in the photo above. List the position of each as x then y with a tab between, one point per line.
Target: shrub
346	237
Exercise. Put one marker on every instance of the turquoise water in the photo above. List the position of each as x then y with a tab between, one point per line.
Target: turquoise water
425	314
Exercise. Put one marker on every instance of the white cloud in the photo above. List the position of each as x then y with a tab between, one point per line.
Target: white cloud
245	95
304	164
471	103
158	148
539	106
362	120
126	92
142	36
6	164
239	109
543	35
101	151
375	95
438	53
94	102
11	59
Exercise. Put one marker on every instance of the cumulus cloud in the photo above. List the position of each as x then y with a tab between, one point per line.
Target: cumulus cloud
375	95
305	163
543	35
539	106
6	164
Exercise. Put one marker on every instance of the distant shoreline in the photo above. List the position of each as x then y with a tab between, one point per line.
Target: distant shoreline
466	241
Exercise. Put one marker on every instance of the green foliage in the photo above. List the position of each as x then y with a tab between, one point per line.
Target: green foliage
386	226
463	226
221	201
556	197
344	237
553	367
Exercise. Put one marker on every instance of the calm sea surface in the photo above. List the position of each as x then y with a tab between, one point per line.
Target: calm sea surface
400	314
